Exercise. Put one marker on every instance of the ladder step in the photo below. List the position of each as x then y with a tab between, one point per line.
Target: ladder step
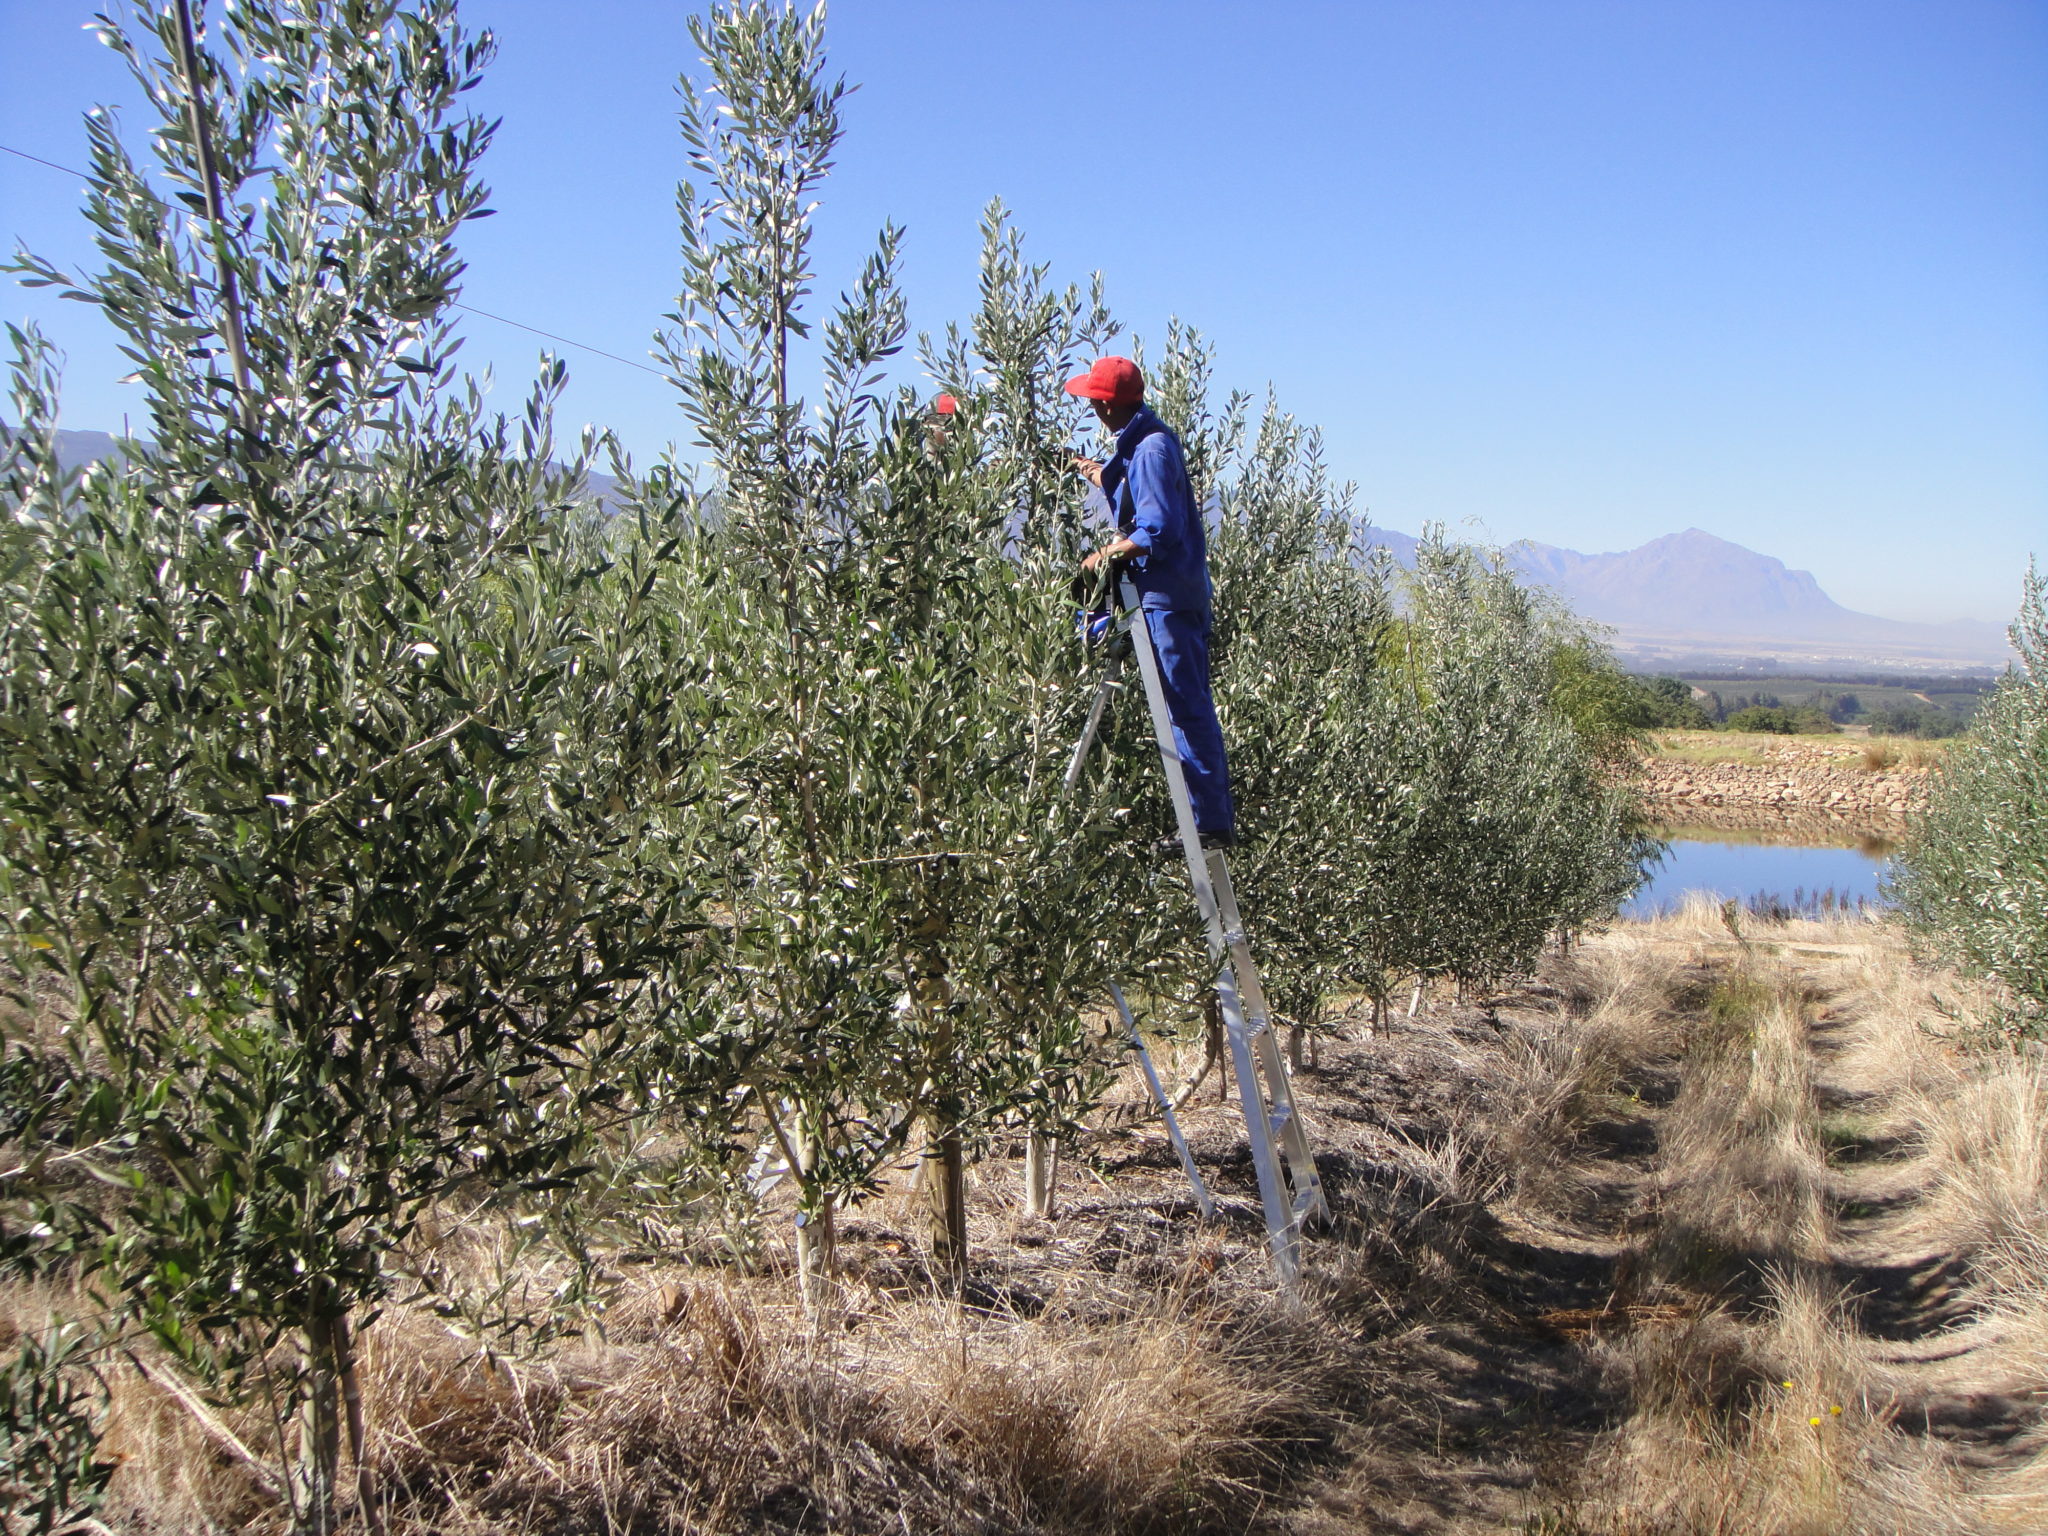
1306	1202
1276	1120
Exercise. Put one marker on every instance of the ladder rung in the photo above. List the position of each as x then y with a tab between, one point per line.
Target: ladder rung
1276	1121
1306	1202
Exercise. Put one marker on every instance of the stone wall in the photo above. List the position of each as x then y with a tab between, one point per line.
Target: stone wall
1875	801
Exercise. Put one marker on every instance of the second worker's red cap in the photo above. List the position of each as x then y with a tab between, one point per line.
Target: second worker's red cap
1115	380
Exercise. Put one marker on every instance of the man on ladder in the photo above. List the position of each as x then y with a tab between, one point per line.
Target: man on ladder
1165	556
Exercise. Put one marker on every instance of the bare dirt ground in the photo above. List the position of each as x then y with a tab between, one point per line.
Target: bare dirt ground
1694	1233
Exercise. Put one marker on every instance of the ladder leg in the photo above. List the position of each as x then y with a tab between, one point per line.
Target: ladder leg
1203	1199
1283	1231
1309	1200
1267	1096
1111	681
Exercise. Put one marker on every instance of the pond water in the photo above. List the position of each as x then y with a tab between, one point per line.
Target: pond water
1764	870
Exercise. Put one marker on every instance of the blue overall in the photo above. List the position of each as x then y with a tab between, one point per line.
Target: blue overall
1146	482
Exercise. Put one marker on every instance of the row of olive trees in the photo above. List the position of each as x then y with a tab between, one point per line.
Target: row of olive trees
382	830
1973	877
381	827
1421	800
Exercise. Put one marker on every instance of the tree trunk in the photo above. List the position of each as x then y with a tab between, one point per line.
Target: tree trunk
946	1200
1415	998
1295	1036
817	1232
945	1154
1379	1014
1212	1057
918	1169
319	1434
817	1246
358	1436
1041	1173
1212	1011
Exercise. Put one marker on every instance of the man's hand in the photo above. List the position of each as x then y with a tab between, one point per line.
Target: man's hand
1116	549
1089	470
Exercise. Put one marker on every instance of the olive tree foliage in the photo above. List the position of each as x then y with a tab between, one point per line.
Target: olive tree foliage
337	868
1972	879
1300	613
1416	797
1027	337
1085	912
1487	821
894	693
51	1474
1612	709
343	167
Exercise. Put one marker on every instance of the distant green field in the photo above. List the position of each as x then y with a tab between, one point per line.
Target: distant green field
1957	697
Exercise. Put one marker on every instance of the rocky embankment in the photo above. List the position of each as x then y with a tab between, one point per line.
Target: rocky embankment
1790	781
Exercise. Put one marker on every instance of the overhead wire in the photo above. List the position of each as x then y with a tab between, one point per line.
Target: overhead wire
470	309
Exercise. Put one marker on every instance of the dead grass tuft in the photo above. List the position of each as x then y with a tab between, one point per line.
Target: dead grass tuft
726	1410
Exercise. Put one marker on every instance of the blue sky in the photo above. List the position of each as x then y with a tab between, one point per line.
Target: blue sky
1585	273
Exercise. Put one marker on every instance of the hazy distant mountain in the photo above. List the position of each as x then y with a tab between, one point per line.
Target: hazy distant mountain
76	448
1693	597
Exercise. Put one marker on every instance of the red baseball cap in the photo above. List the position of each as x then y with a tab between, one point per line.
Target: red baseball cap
946	405
1112	379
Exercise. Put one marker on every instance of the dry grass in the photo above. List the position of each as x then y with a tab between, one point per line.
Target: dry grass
1829	1158
1748	1426
1883	753
1763	748
1740	1187
1588	1066
733	1412
1586	1235
714	1405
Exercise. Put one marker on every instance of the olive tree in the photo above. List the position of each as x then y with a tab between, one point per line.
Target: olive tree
1081	911
918	913
1493	821
1973	877
330	852
1299	615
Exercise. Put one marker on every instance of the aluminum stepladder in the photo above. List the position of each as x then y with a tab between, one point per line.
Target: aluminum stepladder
1289	1189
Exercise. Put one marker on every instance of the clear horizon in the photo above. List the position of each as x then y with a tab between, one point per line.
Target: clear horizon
1585	273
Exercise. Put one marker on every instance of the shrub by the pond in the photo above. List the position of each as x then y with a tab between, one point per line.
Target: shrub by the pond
1777	720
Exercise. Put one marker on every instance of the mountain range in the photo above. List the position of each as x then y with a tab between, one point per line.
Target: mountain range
1693	600
1686	600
